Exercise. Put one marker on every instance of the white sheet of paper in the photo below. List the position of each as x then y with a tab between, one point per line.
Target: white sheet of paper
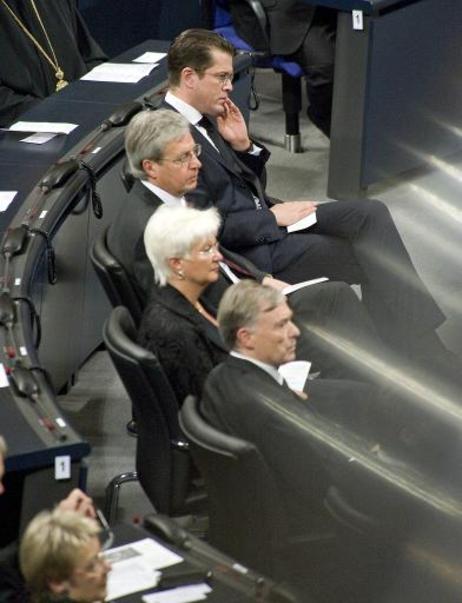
127	73
295	373
38	138
297	286
3	378
6	197
304	223
43	126
135	565
150	57
130	576
181	594
157	555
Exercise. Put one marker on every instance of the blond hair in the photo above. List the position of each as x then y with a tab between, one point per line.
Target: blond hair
51	546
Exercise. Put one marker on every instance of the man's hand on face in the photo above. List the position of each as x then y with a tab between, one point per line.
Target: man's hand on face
78	501
233	128
292	211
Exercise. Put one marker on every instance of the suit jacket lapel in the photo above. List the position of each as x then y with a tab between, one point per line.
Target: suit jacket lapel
227	158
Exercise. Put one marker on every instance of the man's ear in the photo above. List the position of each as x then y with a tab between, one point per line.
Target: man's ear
150	168
188	77
244	338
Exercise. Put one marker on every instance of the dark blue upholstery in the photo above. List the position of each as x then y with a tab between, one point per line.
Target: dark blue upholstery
223	24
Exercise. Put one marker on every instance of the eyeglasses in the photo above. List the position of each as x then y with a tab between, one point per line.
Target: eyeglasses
209	250
185	158
222	78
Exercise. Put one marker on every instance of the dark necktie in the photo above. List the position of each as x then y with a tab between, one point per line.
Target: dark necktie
230	157
216	138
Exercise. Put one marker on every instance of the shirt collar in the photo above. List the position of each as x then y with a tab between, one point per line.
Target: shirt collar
191	113
271	370
165	197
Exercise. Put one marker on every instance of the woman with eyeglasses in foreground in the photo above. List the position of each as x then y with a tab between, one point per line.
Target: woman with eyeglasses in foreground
60	558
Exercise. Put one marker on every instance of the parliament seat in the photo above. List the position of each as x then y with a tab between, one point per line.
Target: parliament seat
114	278
163	462
247	517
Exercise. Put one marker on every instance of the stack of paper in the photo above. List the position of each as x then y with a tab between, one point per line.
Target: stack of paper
135	565
127	73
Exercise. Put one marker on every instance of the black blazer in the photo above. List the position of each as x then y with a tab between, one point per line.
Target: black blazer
125	241
289	21
242	400
298	438
188	347
231	185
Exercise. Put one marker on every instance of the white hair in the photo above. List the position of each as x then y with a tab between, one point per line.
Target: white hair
171	232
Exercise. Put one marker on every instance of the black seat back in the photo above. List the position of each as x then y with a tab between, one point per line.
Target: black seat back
114	278
162	468
247	520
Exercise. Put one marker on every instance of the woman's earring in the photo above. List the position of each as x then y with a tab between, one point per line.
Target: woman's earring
180	275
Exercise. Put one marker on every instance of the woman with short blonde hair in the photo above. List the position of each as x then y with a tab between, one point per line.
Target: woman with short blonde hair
60	558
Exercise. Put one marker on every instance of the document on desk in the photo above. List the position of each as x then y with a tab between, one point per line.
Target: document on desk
135	565
304	223
38	138
126	73
314	281
181	594
43	126
295	373
150	57
6	197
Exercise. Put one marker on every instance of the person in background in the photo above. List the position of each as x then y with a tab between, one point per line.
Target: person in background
44	45
300	32
11	580
60	558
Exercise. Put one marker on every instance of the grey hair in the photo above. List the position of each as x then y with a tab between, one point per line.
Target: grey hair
242	304
147	135
171	232
3	446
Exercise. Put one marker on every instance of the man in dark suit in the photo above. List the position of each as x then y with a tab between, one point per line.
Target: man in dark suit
163	158
246	396
301	33
350	241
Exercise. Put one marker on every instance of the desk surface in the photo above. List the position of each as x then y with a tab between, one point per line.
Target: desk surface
218	570
84	103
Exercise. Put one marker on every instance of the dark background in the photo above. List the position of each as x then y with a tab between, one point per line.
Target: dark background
120	24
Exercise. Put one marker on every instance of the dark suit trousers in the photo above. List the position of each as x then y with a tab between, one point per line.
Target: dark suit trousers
358	242
316	57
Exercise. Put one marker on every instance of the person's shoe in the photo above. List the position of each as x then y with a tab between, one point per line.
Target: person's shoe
131	429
